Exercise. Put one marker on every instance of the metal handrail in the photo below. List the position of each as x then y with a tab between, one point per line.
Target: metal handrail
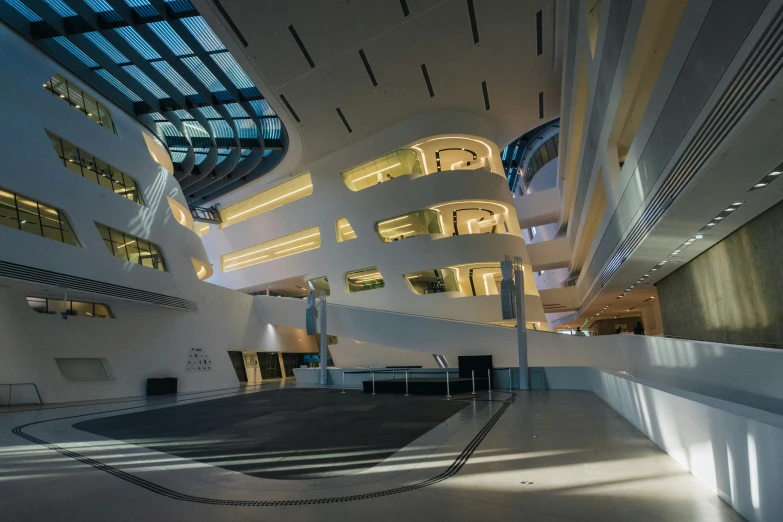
11	385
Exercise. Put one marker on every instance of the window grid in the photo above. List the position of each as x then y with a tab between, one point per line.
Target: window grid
44	305
36	218
96	170
545	153
77	98
131	248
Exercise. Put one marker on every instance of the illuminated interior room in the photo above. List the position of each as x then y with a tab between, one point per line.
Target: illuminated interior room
391	259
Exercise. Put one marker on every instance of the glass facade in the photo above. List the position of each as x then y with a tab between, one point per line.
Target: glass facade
275	197
364	279
291	244
80	100
399	163
43	305
433	281
413	224
131	248
96	170
344	230
543	155
36	218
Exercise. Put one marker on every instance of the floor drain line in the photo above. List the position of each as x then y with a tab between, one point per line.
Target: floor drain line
452	470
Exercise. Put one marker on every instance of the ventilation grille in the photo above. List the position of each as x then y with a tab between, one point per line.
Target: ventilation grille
762	65
36	275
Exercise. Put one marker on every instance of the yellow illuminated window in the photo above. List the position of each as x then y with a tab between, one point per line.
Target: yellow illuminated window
202	229
275	249
364	279
96	170
275	197
409	225
131	248
385	168
73	95
466	280
433	281
344	230
33	217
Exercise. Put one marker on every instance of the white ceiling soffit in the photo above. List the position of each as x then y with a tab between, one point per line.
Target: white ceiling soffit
305	56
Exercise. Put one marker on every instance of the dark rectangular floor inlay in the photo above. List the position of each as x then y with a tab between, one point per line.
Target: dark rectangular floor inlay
282	434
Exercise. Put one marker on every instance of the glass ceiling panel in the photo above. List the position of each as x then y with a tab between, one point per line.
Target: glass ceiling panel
174	78
180	6
157	116
221	129
99	41
136	41
61	8
229	65
24	10
169	37
203	33
104	9
106	75
146	81
272	128
262	108
246	128
198	68
143	8
236	110
78	53
210	112
222	155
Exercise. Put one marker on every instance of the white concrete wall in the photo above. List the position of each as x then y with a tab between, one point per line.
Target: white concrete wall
735	450
142	340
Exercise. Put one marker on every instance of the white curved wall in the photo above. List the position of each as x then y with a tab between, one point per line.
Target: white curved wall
143	340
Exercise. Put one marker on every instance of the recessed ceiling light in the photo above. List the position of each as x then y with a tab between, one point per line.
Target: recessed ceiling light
699	236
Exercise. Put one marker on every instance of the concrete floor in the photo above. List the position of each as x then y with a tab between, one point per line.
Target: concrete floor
537	456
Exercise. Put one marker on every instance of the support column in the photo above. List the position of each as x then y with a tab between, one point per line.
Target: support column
519	280
323	374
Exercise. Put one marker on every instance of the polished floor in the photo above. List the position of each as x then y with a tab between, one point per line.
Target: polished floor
536	456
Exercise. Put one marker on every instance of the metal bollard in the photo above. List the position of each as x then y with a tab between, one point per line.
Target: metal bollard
489	380
406	384
372	374
448	391
473	378
343	382
509	378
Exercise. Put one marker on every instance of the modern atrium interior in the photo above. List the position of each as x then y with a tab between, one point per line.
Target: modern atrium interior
391	259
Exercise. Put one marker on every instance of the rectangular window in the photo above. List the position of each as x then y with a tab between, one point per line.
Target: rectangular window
36	218
364	279
291	244
132	248
269	199
44	305
96	170
80	100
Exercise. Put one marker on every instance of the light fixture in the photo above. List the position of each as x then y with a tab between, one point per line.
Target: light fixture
769	178
699	236
725	213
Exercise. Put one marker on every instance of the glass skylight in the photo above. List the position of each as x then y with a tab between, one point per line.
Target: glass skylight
103	73
138	43
24	10
145	80
78	53
169	37
203	33
61	8
99	41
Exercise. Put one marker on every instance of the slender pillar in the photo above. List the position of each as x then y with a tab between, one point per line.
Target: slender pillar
519	280
323	376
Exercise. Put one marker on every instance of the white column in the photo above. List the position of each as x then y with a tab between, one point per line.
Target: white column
323	375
